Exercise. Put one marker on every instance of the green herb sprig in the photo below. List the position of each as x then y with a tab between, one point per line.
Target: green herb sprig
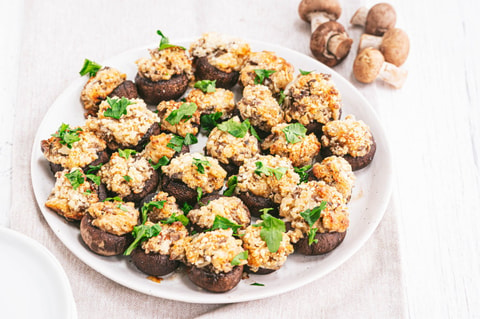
238	129
294	132
261	75
311	216
66	135
142	233
89	67
126	153
303	173
272	230
118	107
165	43
269	171
200	164
224	223
183	113
209	121
237	260
231	185
75	178
206	86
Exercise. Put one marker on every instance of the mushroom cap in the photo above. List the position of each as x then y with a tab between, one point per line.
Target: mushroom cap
319	43
395	46
380	18
367	65
331	7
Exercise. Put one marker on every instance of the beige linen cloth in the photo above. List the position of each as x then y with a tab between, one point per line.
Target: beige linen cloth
59	34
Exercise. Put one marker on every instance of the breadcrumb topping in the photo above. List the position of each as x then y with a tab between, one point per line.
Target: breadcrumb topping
117	218
211	102
99	87
268	61
163	64
259	256
229	207
301	153
183	168
260	107
312	98
337	172
334	217
157	147
225	53
69	202
164	241
347	136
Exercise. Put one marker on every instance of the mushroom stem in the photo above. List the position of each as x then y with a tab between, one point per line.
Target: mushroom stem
369	41
392	75
339	45
317	18
359	17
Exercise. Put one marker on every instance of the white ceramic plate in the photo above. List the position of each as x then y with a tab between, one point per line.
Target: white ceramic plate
34	284
369	200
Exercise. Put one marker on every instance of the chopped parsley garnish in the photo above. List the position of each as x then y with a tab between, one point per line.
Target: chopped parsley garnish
75	178
127	178
94	178
303	173
161	162
262	74
66	135
186	208
121	207
224	223
199	193
294	133
304	72
190	139
148	207
126	153
201	164
209	121
176	218
238	129
268	171
231	185
183	113
237	260
311	216
142	233
281	97
94	168
89	67
165	43
257	284
113	199
118	107
206	86
272	230
176	143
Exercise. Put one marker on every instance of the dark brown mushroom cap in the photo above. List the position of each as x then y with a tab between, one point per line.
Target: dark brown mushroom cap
319	43
380	18
331	7
395	46
367	65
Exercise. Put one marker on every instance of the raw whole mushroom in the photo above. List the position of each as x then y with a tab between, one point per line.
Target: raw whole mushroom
370	65
394	45
377	20
329	42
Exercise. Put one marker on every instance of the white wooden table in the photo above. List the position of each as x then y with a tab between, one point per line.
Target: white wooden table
432	124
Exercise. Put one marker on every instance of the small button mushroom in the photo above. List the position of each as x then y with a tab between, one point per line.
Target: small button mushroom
394	45
377	20
329	43
370	65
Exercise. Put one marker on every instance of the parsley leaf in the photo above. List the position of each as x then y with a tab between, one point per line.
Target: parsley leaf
183	113
66	135
257	284
224	223
294	133
126	153
75	178
161	162
127	178
209	121
190	139
201	164
148	207
176	218
142	233
311	216
94	168
176	143
235	128
268	171
94	178
302	172
206	86
165	43
231	185
186	208
304	72
118	107
199	193
237	260
281	97
262	74
113	199
272	230
89	67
